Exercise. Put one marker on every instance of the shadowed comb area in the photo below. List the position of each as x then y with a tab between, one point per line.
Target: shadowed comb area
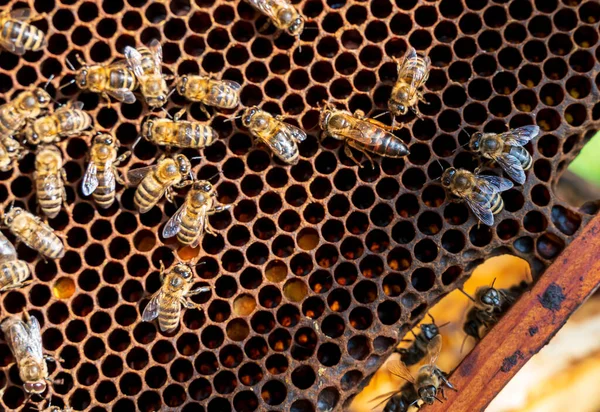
318	269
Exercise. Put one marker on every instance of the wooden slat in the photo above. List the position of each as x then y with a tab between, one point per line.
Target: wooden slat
528	326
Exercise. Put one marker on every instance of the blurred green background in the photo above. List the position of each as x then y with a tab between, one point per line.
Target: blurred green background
587	164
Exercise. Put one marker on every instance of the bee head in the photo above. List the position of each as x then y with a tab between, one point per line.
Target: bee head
491	297
324	117
104	139
10	216
296	27
181	84
147	129
429	330
203	186
397	108
38	97
475	143
155	92
183	271
37	387
184	164
428	393
248	114
447	176
82	78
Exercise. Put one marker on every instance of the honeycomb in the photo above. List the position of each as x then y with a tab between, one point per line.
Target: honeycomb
318	269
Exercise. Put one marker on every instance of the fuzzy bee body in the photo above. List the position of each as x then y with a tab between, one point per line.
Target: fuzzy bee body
179	133
116	80
28	105
17	34
49	180
218	93
506	149
282	14
413	72
10	152
34	233
13	272
146	64
25	342
175	292
68	120
158	180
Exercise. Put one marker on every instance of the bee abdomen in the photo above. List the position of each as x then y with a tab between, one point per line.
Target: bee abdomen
522	155
226	100
74	121
104	196
496	203
50	200
13	272
391	146
168	317
122	78
24	35
147	194
52	247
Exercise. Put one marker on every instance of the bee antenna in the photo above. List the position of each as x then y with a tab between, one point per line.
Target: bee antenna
381	114
467	295
200	263
70	64
443	324
438	399
48	82
67	84
168	114
492	285
215	175
171	92
136	142
231	119
414	402
196	158
431	316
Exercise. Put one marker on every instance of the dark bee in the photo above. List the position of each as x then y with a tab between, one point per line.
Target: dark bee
417	351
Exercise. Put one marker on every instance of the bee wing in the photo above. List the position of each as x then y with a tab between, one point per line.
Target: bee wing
219	89
135	176
134	60
512	166
480	207
520	136
51	182
434	348
174	224
25	339
152	308
77	105
264	6
234	85
123	95
294	132
400	370
109	178
7	250
157	55
22	14
406	69
90	179
201	223
385	397
493	184
11	47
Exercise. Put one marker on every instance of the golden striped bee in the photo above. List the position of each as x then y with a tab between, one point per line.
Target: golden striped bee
101	174
25	342
178	133
175	292
219	93
282	14
159	179
480	192
34	233
413	72
430	380
50	178
68	120
506	149
28	105
17	34
10	152
13	271
146	63
282	138
191	220
363	134
116	80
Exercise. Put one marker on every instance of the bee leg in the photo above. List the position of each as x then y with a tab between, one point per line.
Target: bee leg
350	155
204	110
359	114
188	304
198	290
180	113
364	152
118	176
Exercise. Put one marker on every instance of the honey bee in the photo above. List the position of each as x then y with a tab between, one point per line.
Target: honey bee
17	34
203	89
28	105
363	134
178	133
282	14
25	342
68	120
281	137
101	174
49	179
418	349
506	149
116	80
191	220
10	152
413	72
146	63
399	400
175	292
430	380
13	271
480	192
34	233
158	180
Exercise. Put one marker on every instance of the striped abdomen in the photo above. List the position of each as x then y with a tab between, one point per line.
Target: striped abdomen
40	237
73	121
104	195
522	155
195	135
149	192
169	313
414	66
381	142
13	273
121	77
148	66
50	191
191	225
222	95
11	120
23	35
496	203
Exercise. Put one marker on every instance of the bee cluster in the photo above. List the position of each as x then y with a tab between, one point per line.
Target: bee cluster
376	266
